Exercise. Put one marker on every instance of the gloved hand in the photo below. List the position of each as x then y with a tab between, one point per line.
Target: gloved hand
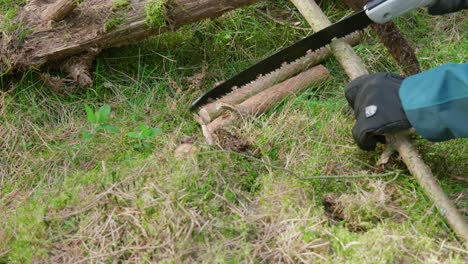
442	7
377	108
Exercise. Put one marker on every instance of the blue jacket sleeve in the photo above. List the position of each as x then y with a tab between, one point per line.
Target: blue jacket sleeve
436	102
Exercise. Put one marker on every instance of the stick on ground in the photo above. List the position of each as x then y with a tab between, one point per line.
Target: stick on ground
264	100
211	111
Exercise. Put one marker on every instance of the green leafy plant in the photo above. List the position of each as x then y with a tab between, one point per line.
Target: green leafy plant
99	121
144	136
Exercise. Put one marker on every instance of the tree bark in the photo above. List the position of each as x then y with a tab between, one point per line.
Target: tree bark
400	142
83	29
59	10
211	111
264	100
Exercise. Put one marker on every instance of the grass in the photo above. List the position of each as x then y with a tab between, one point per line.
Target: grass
65	198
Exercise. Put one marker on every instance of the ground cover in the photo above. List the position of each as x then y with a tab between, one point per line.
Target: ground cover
74	188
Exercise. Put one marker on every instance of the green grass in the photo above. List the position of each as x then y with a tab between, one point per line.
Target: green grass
65	198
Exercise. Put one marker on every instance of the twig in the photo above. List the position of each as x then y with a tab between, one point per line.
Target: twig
396	173
459	178
301	176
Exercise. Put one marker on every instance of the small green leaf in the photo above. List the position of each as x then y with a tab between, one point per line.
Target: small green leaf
111	129
137	146
99	118
144	127
105	111
102	115
90	114
87	135
149	134
134	135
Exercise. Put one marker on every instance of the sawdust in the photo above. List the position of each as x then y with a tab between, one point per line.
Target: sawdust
229	141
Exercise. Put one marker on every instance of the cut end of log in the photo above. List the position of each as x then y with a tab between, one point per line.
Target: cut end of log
204	116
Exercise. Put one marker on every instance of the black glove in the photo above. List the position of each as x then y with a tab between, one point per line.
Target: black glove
442	7
377	108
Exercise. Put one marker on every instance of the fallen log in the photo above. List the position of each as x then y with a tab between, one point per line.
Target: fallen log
213	110
423	174
95	25
264	100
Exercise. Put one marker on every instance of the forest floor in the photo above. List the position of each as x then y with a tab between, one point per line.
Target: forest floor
74	191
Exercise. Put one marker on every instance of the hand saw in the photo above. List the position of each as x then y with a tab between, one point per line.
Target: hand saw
376	11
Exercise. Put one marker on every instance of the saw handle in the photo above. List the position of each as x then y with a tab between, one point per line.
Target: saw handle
383	11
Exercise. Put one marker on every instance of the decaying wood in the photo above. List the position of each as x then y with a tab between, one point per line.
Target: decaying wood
426	179
59	10
400	142
78	68
82	29
211	111
395	42
264	100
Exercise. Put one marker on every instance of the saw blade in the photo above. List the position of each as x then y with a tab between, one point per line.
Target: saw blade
344	27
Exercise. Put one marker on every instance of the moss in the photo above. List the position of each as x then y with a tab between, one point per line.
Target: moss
113	22
156	13
119	4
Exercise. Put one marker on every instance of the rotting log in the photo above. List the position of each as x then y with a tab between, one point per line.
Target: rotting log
400	142
266	99
84	28
213	110
395	42
59	10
